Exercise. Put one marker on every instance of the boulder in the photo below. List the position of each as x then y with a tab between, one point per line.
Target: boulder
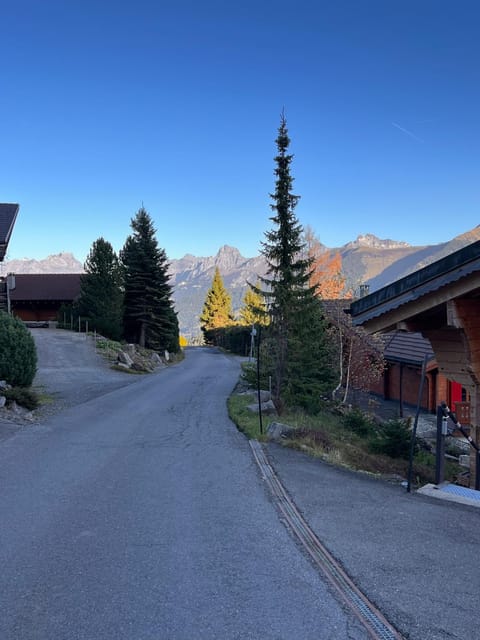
156	360
131	349
268	408
124	358
264	395
277	431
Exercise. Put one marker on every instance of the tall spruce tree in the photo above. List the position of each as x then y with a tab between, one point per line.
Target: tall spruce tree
217	309
101	294
149	316
296	338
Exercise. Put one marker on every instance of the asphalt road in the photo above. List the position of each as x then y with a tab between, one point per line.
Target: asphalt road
415	557
140	514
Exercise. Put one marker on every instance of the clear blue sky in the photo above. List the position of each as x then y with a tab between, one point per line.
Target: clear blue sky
106	105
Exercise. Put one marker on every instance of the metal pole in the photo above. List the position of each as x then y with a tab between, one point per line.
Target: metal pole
414	431
477	470
258	380
440	448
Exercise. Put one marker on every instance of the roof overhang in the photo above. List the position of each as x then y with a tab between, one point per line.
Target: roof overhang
422	298
8	215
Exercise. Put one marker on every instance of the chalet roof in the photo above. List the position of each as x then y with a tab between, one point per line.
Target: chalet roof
8	214
398	346
461	269
407	347
46	286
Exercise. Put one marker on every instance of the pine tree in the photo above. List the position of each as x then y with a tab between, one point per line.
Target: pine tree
149	316
101	295
297	328
254	310
217	308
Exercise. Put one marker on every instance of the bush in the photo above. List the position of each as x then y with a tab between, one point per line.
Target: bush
236	339
393	439
359	422
23	397
18	354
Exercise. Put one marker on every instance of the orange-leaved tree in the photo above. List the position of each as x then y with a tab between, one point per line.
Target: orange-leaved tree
326	270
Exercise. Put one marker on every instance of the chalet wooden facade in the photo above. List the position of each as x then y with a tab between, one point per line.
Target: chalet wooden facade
442	302
38	297
404	354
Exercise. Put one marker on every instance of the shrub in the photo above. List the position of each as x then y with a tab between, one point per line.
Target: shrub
236	339
23	397
18	354
393	439
359	422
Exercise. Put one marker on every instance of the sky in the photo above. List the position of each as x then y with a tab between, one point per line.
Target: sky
175	106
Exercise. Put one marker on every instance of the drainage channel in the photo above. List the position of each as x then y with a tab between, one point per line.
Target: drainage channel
371	618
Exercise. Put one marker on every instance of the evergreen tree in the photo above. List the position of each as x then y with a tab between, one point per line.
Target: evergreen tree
254	310
149	316
101	295
217	308
296	329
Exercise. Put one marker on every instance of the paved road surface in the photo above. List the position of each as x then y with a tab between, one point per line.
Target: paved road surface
140	515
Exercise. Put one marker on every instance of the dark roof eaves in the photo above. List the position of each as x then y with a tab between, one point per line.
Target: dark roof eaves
377	307
458	264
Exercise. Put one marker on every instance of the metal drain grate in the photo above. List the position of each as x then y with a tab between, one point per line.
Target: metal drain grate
371	618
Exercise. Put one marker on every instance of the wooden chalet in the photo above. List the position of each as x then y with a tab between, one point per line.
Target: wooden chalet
441	302
405	353
38	297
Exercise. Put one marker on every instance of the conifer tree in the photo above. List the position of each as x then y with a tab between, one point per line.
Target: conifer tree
101	295
217	308
149	316
297	338
254	310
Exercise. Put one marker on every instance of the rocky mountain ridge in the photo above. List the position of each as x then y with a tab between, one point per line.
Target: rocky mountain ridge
366	260
58	263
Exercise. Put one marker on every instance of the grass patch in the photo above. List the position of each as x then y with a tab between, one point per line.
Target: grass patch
247	421
351	440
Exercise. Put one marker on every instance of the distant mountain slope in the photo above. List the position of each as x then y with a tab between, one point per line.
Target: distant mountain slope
420	257
191	278
58	263
366	260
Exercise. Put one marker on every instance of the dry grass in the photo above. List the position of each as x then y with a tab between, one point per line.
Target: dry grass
325	436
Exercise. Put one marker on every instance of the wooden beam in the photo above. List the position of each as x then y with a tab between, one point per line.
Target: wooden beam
413	303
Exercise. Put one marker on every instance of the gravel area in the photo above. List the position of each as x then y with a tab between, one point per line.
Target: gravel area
70	371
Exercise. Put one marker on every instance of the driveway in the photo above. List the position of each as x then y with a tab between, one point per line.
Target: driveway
71	370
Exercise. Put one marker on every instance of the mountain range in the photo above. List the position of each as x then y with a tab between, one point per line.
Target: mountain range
367	260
